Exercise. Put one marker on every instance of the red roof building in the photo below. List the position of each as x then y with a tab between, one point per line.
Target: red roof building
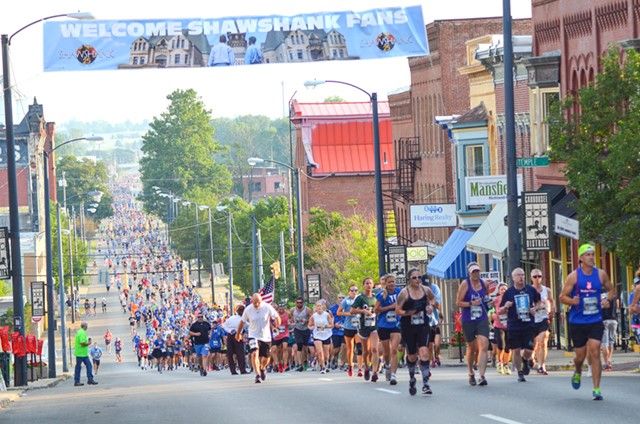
334	149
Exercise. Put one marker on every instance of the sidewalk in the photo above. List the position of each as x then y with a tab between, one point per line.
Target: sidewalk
561	360
14	393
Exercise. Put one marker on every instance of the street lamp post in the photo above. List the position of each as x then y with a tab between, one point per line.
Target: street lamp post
514	249
300	247
12	177
373	98
63	329
213	269
187	203
229	254
51	349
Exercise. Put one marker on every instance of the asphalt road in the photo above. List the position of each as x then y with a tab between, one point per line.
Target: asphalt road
126	394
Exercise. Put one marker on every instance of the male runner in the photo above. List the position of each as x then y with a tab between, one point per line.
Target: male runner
582	291
300	315
258	317
520	303
199	331
389	326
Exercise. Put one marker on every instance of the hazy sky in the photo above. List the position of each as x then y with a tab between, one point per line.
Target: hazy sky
137	95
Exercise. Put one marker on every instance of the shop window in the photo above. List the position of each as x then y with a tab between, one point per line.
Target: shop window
474	160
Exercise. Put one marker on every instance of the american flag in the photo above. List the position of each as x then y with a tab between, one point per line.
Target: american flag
267	292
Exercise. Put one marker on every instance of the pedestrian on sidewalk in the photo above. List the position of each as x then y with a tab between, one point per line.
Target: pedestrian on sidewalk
82	356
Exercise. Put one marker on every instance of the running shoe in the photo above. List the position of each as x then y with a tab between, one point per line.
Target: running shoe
412	386
482	382
575	380
472	380
521	378
374	377
258	379
507	369
367	373
300	368
597	394
262	375
387	373
359	372
500	368
542	371
438	361
393	380
525	367
323	371
350	371
426	390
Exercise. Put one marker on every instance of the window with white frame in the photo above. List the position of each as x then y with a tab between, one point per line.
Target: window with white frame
474	160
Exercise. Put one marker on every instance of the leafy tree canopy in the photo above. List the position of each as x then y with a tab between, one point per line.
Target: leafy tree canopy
595	134
178	154
84	176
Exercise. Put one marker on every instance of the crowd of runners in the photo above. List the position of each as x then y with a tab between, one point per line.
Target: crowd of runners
370	332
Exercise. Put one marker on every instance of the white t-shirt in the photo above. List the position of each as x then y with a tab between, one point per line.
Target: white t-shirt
543	312
321	329
258	319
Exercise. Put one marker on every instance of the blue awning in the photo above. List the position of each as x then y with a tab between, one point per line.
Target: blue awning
451	262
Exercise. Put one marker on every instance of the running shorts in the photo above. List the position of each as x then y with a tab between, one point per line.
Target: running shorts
415	336
580	333
385	333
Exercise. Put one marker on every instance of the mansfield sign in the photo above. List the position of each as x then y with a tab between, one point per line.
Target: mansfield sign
242	40
488	190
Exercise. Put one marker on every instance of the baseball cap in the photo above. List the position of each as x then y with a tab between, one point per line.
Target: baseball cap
473	266
585	248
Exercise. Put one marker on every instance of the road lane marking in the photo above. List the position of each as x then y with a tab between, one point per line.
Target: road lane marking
393	392
325	379
500	419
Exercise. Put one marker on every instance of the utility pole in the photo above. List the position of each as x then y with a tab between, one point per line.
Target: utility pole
283	265
514	249
254	268
260	264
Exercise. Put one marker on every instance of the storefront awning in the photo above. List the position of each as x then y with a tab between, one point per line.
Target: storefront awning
492	237
451	262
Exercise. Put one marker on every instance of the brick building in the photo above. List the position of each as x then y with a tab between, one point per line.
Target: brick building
424	162
32	136
334	149
264	182
570	37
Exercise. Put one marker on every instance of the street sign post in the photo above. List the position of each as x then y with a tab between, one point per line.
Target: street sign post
398	264
37	299
5	259
314	288
532	162
537	225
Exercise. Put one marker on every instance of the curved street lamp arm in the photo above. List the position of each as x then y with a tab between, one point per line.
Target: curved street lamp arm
35	22
350	85
280	163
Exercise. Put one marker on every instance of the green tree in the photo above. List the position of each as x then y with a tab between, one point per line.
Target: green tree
334	99
345	255
251	136
84	176
178	153
595	134
80	257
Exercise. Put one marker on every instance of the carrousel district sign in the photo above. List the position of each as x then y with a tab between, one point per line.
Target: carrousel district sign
200	42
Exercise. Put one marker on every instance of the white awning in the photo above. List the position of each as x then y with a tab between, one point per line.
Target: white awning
492	237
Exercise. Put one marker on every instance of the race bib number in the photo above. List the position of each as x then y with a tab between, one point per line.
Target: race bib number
253	344
492	335
476	312
433	321
355	321
370	320
391	316
541	315
522	307
417	319
503	319
281	329
590	305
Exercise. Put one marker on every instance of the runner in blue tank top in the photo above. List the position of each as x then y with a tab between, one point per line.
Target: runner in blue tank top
587	290
389	326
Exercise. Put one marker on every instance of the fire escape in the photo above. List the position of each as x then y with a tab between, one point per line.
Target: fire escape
399	186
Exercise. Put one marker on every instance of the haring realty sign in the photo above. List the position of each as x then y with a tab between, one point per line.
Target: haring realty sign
488	190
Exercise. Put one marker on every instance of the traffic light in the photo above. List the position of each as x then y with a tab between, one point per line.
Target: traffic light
275	269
